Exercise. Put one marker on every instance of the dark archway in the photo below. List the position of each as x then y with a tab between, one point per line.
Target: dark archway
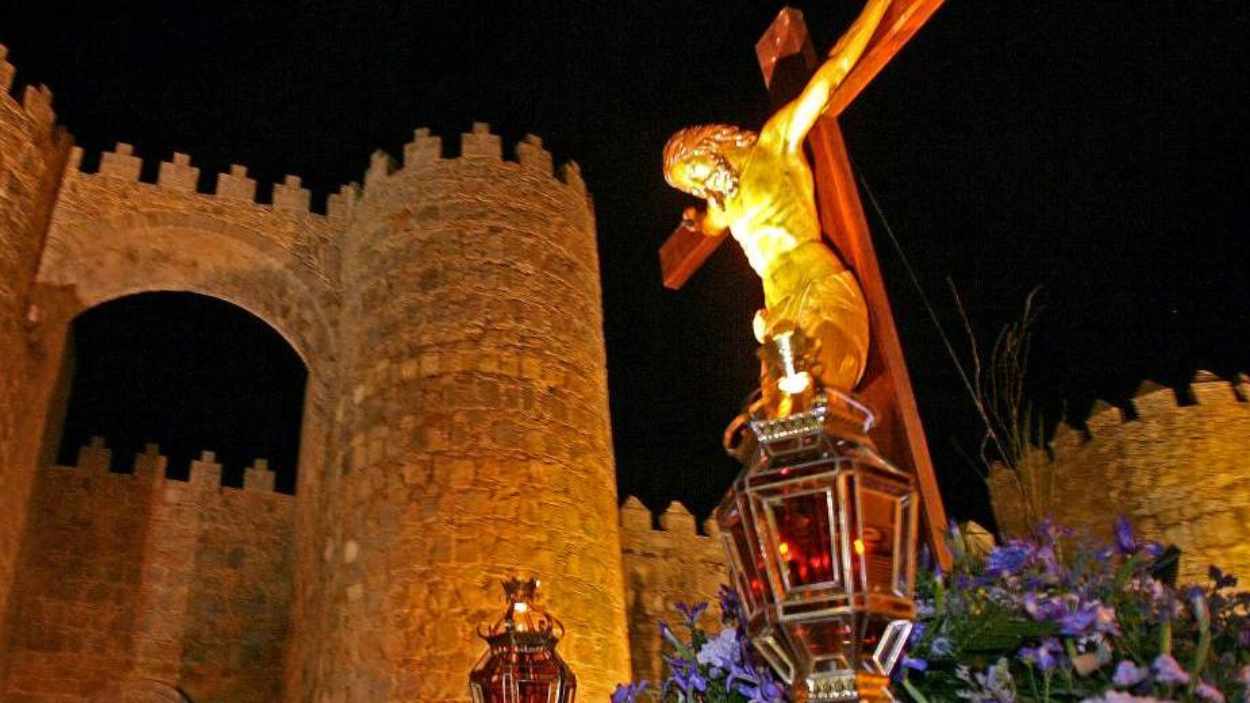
190	373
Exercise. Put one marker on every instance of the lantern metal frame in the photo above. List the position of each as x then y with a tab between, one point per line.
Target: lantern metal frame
837	613
520	660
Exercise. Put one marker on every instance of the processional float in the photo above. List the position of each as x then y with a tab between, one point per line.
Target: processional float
820	529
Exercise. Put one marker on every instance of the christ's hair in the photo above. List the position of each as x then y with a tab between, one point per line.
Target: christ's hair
703	140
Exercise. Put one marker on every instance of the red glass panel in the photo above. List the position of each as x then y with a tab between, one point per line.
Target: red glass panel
804	538
752	583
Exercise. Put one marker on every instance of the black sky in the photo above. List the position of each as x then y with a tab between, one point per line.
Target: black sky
1098	149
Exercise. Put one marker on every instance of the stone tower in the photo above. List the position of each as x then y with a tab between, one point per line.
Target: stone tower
474	422
456	425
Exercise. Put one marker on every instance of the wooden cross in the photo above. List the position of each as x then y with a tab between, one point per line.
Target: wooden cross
787	59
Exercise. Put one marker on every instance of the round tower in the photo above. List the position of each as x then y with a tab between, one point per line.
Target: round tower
475	430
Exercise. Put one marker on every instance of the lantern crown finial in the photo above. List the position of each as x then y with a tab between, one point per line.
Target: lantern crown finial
521	663
524	618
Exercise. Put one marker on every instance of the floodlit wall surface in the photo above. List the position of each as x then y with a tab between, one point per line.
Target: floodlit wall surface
456	427
664	567
32	155
1179	472
134	577
475	424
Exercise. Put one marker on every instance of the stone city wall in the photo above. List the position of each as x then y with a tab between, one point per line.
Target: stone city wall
1179	472
664	567
33	151
136	577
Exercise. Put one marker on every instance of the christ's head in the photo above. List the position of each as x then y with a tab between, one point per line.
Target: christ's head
696	160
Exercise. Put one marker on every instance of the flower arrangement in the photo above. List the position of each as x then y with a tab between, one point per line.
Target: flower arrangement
1047	619
1053	618
707	668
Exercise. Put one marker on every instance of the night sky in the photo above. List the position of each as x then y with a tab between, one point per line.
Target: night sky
1097	149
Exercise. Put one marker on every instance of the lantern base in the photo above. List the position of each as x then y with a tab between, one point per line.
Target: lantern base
843	687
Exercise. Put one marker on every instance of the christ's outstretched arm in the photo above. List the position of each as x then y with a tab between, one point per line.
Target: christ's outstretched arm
797	118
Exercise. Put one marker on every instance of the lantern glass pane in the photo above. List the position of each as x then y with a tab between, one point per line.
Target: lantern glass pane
826	640
880	515
803	525
748	563
903	547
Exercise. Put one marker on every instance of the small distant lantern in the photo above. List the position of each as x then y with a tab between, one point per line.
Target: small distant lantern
521	664
821	536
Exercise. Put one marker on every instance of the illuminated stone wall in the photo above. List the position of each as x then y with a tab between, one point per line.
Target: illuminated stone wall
1180	473
475	424
663	567
113	234
456	424
134	577
32	156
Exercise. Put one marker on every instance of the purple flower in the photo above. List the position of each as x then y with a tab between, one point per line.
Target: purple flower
722	651
691	613
1121	697
1207	692
917	634
941	647
756	684
1167	671
1124	539
685	675
1128	674
915	664
666	633
1008	559
1044	656
1243	639
629	692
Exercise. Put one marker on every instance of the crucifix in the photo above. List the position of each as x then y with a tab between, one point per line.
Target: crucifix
760	188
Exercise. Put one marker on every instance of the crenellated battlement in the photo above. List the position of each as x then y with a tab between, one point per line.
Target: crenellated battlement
477	146
35	103
179	175
1152	402
676	521
664	566
1172	460
151	466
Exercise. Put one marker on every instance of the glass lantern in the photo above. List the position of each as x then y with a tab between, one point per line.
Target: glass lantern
821	537
520	664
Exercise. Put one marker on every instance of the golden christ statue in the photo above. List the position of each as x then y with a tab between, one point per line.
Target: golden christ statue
759	186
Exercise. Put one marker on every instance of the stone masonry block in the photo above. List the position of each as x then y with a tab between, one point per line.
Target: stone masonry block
121	163
635	518
678	520
289	195
532	156
206	472
7	72
480	143
258	477
95	456
339	205
381	165
571	175
236	184
423	149
178	174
